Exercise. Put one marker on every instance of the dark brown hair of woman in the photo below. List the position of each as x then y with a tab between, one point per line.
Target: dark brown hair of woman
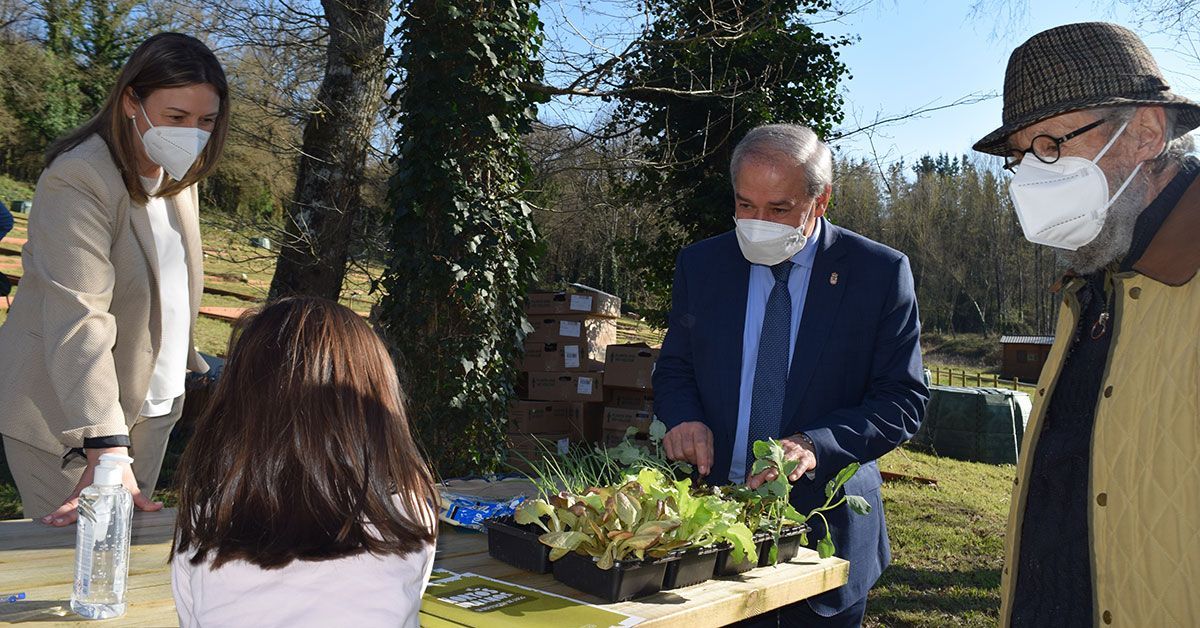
163	61
304	451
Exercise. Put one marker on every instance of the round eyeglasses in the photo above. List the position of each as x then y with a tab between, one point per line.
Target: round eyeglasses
1047	148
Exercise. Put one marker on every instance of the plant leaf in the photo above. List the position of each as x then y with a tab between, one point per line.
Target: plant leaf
743	542
761	465
858	504
791	514
627	509
825	547
789	466
844	475
658	430
563	540
532	511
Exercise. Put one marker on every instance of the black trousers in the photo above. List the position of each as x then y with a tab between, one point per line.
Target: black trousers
801	615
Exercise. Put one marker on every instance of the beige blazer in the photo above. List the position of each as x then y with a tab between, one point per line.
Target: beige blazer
83	332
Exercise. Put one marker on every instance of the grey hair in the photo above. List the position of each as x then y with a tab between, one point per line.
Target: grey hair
795	143
1179	145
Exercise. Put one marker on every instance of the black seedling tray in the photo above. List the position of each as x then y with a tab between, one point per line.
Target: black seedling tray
694	566
517	545
789	545
725	565
626	580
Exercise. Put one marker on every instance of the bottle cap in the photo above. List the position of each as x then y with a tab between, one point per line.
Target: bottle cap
111	470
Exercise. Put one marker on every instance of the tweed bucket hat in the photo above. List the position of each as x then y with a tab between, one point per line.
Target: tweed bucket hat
1081	66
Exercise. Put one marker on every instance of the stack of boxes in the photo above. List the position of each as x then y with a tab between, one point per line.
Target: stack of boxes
563	400
628	391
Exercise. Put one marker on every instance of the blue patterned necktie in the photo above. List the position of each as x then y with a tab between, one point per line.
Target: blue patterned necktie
771	369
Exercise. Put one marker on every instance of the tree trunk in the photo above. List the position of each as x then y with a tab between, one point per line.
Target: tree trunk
327	198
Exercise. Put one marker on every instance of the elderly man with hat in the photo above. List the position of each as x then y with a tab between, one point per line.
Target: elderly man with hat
1105	520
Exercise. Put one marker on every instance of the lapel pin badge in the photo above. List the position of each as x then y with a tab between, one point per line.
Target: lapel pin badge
833	279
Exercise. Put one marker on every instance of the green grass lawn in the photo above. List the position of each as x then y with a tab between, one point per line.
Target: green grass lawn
13	190
947	543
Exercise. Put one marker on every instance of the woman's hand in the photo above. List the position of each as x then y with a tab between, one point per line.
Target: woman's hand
67	513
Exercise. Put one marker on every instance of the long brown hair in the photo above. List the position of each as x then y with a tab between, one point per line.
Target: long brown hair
304	451
165	60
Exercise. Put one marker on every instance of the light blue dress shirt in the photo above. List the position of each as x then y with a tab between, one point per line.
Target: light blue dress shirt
761	283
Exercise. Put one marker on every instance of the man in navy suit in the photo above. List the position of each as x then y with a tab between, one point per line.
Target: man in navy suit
793	328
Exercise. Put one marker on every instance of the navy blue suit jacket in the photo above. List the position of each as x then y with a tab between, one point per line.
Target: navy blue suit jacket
855	385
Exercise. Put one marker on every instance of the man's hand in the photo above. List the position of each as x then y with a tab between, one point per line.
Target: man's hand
794	448
691	442
67	513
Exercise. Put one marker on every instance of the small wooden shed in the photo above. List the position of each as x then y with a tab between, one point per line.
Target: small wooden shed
1024	356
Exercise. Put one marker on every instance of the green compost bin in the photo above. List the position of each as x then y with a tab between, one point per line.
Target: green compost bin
975	424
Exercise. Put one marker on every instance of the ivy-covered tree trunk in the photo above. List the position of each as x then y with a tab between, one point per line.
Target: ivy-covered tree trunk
327	200
463	239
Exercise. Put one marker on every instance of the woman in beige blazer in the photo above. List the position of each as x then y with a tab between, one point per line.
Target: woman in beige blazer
98	340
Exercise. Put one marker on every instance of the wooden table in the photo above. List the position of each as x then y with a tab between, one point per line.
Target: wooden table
39	561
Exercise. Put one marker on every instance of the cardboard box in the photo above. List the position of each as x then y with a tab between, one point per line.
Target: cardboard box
621	419
587	422
579	299
630	366
597	333
582	421
533	417
564	386
533	447
560	356
628	398
612	438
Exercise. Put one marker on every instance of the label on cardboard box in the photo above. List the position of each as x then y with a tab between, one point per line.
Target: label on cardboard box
584	385
571	329
620	419
571	356
581	303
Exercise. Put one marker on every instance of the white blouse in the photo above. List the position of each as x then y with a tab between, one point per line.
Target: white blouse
170	369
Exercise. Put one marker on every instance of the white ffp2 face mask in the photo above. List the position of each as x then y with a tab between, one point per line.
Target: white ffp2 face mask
769	243
1064	204
175	148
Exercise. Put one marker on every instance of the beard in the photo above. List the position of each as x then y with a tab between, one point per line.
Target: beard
1116	236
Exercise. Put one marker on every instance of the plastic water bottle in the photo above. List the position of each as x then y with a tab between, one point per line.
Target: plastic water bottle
102	542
